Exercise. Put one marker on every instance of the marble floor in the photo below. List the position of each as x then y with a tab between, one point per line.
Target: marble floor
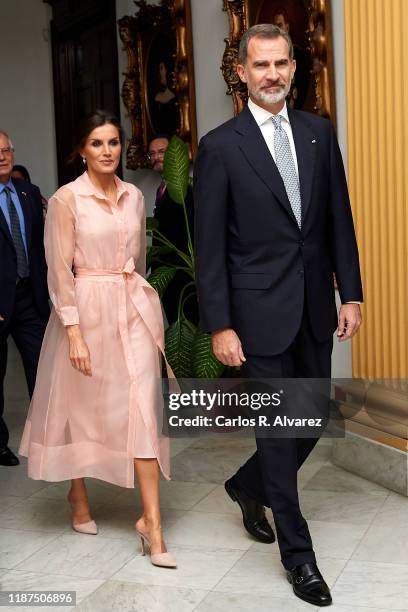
359	530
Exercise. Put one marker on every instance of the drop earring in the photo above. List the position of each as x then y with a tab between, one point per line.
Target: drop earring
84	160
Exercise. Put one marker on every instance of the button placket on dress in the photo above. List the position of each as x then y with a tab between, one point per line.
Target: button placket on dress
134	399
124	334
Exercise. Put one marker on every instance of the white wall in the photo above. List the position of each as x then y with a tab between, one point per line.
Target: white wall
337	7
342	360
210	27
26	100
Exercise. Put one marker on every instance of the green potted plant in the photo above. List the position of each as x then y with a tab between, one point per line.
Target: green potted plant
188	349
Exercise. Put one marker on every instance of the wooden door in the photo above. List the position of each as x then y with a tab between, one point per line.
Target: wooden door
85	69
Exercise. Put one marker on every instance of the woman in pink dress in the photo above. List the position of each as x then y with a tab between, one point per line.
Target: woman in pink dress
97	408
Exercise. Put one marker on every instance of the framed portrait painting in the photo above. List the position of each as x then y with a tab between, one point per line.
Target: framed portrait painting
308	22
158	90
160	97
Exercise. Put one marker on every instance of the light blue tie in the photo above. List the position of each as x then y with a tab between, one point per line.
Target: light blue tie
286	167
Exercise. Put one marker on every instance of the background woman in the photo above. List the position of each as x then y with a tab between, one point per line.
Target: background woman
22	173
97	405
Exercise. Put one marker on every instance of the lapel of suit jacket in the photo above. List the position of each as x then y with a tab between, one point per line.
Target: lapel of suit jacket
5	228
305	145
25	205
258	155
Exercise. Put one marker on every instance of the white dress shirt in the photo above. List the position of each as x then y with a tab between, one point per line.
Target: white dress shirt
263	120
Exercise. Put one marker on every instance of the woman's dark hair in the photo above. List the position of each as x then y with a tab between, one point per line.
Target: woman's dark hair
94	120
23	170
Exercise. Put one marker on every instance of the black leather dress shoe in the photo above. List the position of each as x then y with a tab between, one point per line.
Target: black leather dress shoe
7	457
308	584
253	513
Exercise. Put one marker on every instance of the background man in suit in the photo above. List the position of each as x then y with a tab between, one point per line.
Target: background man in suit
273	222
171	222
24	306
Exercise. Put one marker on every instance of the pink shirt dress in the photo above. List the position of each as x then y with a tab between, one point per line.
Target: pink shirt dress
95	426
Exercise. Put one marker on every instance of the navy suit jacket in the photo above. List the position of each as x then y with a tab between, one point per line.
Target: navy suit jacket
255	268
30	199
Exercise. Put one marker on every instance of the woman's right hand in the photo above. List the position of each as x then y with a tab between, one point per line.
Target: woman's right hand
78	350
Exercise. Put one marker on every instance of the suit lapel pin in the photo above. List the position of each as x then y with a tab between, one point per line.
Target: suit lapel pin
313	141
24	193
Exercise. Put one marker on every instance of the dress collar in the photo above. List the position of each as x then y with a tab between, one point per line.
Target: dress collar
86	187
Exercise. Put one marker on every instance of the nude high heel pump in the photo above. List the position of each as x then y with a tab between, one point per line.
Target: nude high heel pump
160	559
90	527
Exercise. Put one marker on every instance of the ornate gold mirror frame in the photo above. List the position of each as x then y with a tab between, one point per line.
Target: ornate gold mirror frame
316	48
158	91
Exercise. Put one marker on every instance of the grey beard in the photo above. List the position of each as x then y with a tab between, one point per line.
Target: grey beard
272	98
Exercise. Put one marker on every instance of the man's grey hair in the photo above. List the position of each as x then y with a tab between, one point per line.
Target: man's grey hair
3	133
263	30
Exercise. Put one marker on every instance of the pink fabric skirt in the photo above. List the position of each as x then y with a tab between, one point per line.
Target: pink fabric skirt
81	426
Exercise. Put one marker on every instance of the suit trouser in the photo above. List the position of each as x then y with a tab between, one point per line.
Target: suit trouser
27	329
270	475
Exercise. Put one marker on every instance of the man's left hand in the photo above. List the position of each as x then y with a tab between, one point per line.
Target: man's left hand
350	320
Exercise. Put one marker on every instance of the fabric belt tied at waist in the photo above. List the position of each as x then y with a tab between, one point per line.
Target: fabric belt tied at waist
144	298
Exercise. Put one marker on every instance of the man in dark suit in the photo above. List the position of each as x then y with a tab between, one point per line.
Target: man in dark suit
171	223
273	222
24	308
